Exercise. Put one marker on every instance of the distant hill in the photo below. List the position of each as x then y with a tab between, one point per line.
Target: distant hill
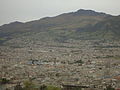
82	24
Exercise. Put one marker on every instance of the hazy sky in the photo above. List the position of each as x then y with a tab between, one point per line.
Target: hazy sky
27	10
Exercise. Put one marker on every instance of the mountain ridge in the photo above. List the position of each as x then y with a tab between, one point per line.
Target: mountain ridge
82	24
80	11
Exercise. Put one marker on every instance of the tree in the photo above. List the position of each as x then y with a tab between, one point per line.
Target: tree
4	81
29	85
109	87
18	87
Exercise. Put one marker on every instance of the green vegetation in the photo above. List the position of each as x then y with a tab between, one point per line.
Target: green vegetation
110	88
4	81
29	85
53	88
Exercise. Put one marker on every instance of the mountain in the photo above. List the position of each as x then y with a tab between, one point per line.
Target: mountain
82	24
108	29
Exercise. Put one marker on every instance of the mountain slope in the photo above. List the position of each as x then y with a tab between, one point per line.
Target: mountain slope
108	29
82	24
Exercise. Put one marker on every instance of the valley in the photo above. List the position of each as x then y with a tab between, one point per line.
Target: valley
76	62
76	48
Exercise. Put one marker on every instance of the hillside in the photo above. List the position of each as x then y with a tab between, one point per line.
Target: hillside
82	24
108	29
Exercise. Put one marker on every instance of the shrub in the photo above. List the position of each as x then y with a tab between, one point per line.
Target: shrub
29	85
109	88
53	88
4	81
